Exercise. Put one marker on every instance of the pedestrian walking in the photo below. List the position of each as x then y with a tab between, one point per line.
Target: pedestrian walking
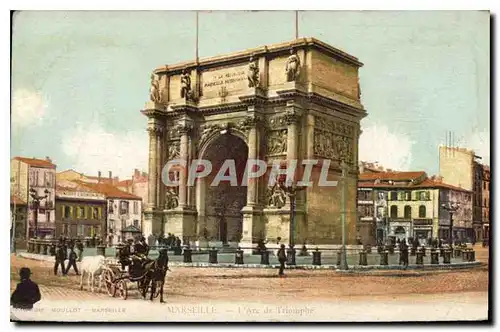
79	249
27	292
282	260
403	249
72	261
59	259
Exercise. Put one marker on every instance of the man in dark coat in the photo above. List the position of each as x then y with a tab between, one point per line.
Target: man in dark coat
282	259
403	253
59	259
27	292
72	261
79	248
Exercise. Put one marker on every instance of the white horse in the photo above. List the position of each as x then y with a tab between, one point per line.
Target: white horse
93	266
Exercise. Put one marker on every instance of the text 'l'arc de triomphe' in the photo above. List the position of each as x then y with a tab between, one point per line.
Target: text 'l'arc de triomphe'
295	100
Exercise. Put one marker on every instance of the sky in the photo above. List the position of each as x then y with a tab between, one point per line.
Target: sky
80	79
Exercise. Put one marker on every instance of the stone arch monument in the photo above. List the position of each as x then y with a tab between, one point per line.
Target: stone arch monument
295	100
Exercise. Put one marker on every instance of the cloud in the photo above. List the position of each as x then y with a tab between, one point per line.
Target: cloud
391	150
28	108
94	149
479	142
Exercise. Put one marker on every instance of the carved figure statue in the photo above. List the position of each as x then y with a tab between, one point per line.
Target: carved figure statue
173	151
276	196
277	143
185	85
253	74
292	67
154	91
171	199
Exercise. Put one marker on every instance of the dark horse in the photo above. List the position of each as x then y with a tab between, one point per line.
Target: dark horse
155	275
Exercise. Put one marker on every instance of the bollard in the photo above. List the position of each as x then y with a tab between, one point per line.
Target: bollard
290	256
447	256
363	258
413	251
52	249
212	256
264	257
45	248
457	252
188	255
238	256
434	256
37	247
317	257
420	257
384	258
465	255
339	257
368	248
472	255
101	250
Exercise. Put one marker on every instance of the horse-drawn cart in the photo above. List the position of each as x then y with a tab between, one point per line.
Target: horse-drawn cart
115	279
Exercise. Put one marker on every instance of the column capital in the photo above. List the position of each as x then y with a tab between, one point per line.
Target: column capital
292	116
155	130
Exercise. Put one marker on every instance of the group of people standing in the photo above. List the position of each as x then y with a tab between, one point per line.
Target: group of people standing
60	251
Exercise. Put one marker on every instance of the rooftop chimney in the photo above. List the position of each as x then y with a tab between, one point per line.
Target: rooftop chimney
110	175
99	176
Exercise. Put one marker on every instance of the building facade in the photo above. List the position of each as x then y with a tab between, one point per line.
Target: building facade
19	217
36	177
122	210
80	212
409	204
282	102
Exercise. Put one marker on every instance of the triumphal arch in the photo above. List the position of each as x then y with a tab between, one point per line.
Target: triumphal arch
291	101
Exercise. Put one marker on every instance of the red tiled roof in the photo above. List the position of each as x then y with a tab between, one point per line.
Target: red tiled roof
428	183
124	183
109	190
36	162
16	200
395	176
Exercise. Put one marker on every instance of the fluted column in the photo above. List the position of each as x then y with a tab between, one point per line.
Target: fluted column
153	165
160	152
292	118
185	131
252	155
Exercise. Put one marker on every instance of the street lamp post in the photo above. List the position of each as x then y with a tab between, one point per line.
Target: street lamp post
291	189
451	208
343	261
36	204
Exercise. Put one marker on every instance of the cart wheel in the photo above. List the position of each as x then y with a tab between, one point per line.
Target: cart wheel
108	282
121	287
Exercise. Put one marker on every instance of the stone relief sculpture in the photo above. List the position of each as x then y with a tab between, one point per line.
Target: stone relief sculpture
253	74
154	91
171	199
277	142
186	92
292	68
276	196
173	150
332	146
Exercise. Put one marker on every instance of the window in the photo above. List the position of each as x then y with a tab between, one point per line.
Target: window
421	211
136	223
79	212
408	196
67	212
393	195
400	196
394	211
407	212
95	213
80	230
110	207
123	207
136	207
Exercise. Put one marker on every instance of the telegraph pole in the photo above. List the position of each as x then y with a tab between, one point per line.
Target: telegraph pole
343	261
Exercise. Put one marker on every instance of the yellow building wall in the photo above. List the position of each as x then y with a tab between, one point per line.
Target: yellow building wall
456	166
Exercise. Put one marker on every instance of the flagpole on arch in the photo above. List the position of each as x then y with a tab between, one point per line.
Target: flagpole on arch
296	24
197	37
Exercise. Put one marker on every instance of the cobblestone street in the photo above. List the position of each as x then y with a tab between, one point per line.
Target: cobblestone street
251	288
